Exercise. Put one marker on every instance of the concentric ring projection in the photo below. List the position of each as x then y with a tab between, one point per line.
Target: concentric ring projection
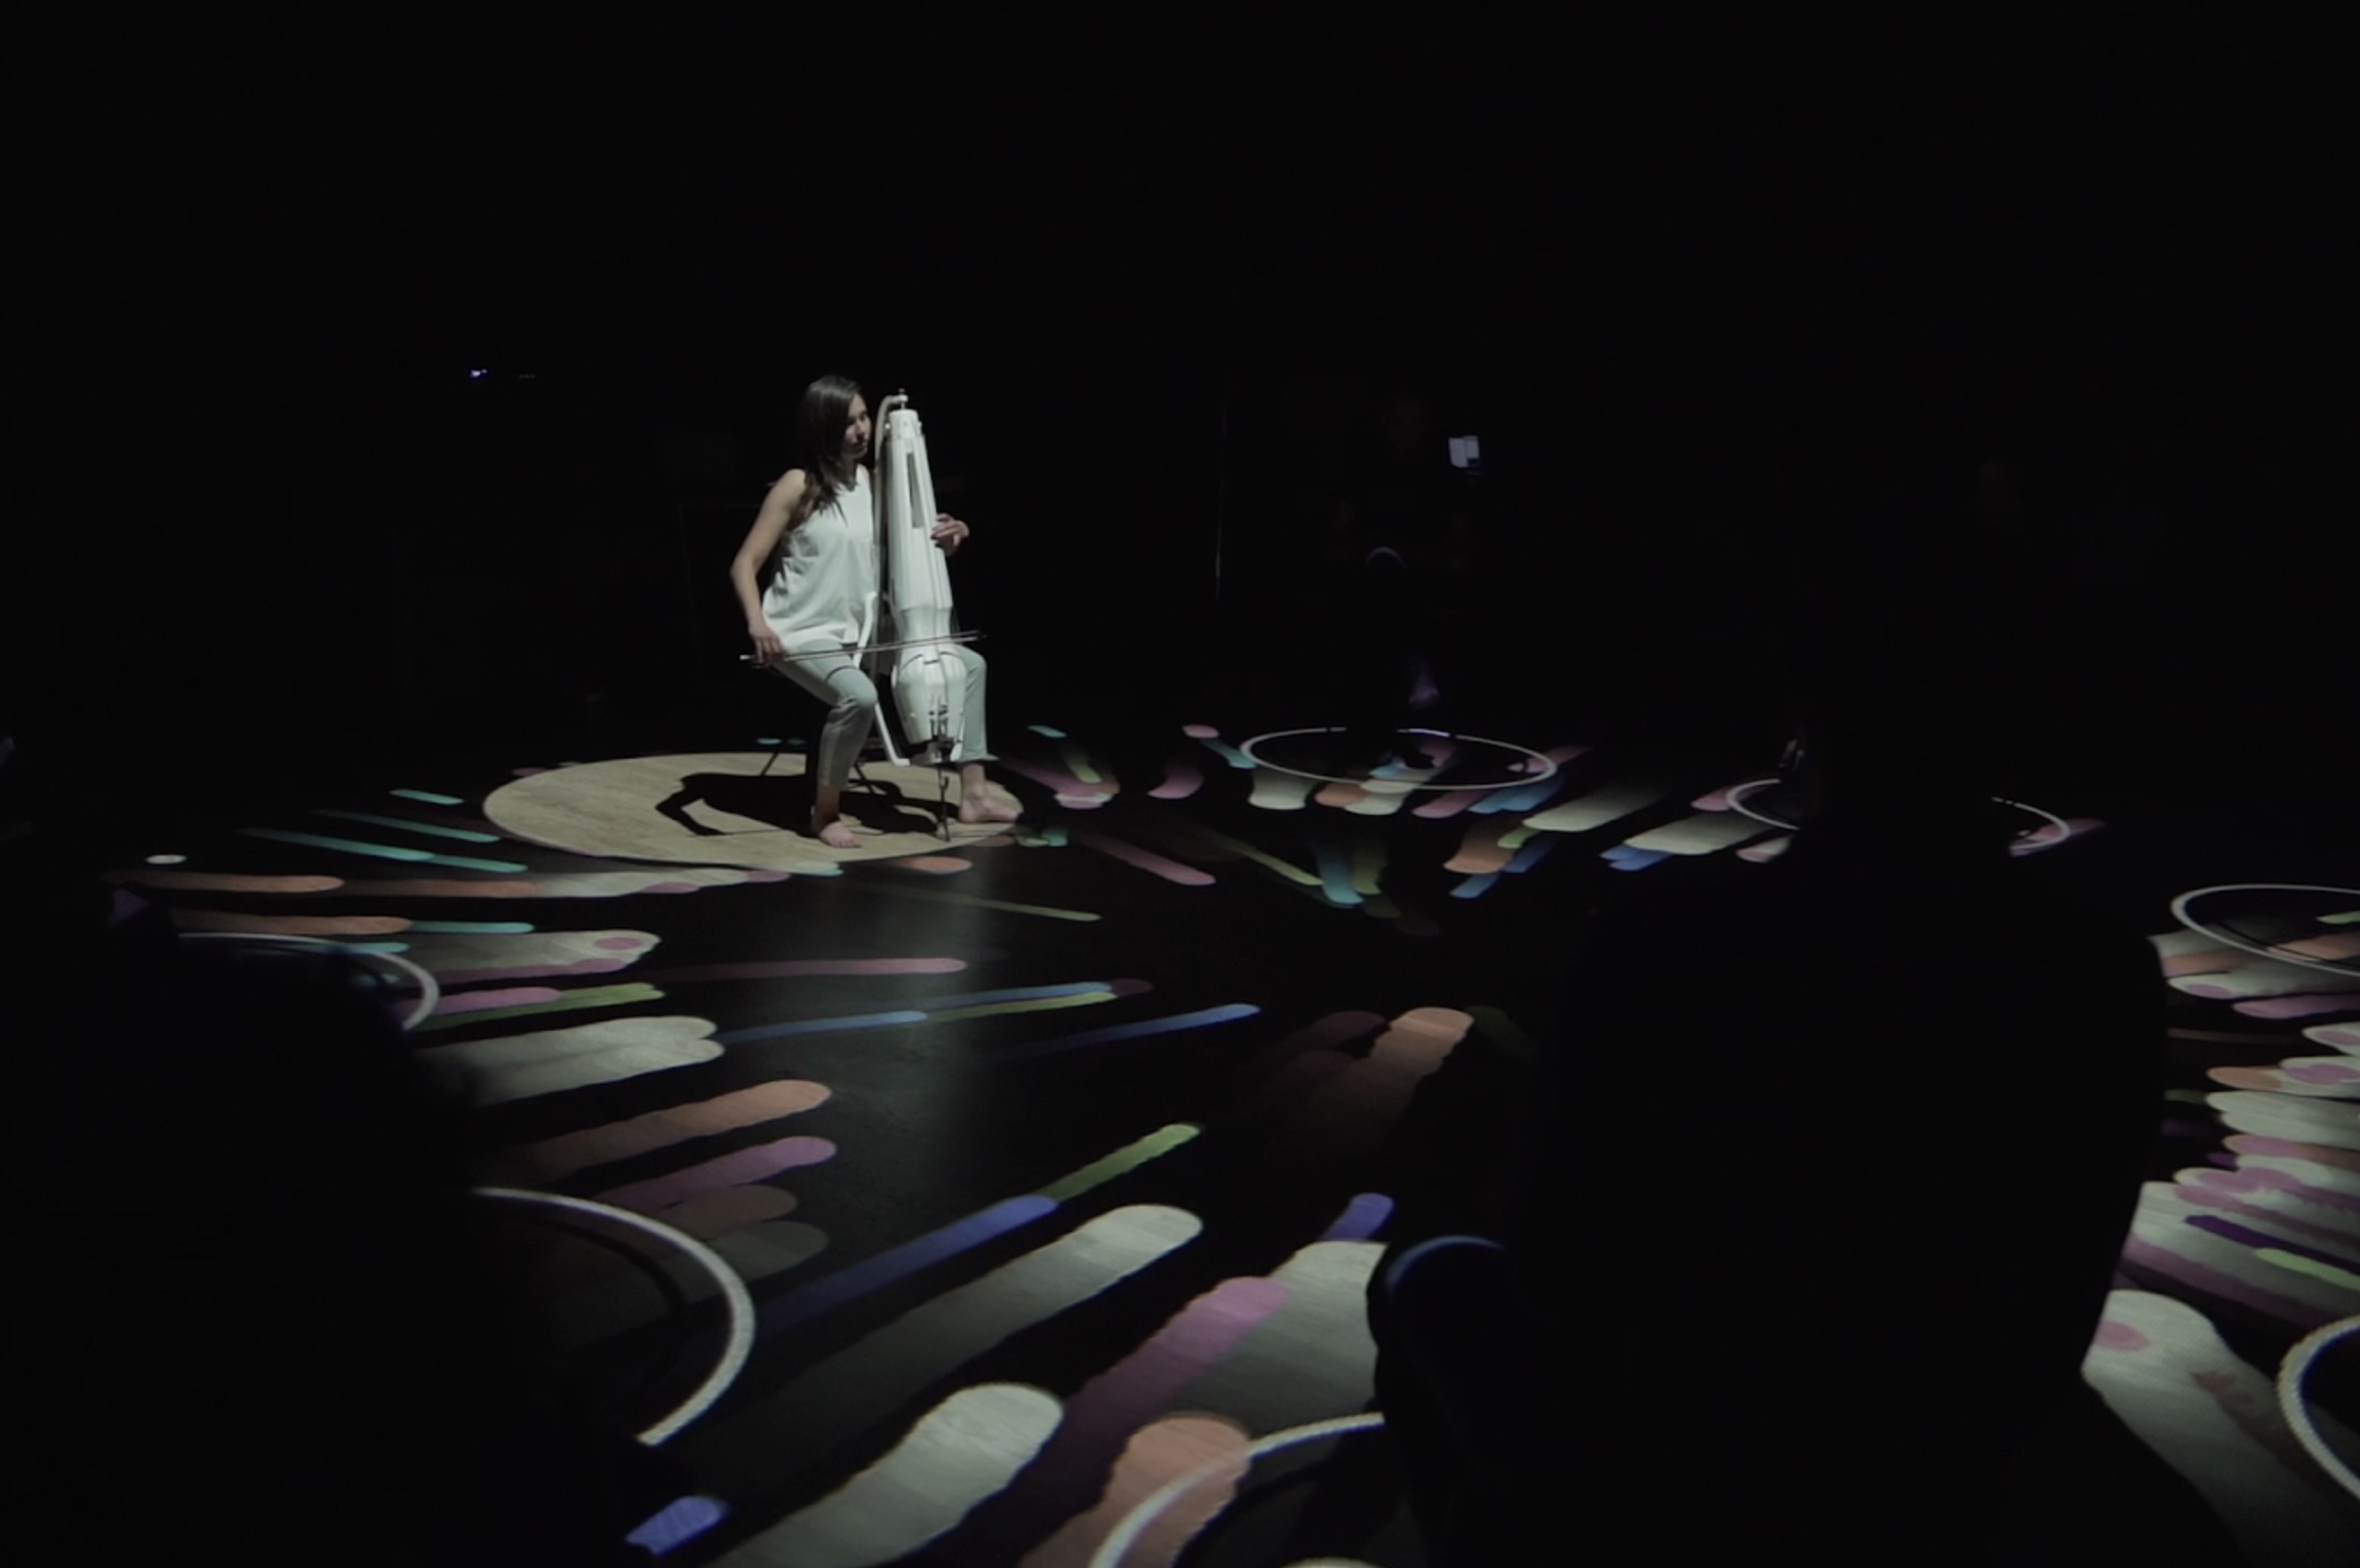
430	993
1548	764
741	1342
2181	911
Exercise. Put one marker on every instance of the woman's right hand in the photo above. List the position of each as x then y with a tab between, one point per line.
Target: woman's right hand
768	649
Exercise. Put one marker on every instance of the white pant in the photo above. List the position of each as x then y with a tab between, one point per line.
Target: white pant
851	709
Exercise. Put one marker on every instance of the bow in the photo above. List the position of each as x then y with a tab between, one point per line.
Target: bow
860	653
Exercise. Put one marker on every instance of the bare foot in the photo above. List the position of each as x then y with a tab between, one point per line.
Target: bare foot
836	834
987	810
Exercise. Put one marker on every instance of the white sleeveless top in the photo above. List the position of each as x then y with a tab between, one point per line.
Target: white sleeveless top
827	581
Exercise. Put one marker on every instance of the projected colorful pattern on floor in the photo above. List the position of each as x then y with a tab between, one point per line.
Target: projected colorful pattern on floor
1013	1274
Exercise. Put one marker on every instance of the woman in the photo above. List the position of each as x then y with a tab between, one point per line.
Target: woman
820	521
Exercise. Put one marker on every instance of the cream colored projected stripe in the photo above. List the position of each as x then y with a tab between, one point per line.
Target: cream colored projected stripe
2283	1116
776	1438
959	1453
520	1067
1209	1453
1312	1358
681	879
465	960
1304	1347
1274	791
1597	808
1706	833
2167	1374
563	1156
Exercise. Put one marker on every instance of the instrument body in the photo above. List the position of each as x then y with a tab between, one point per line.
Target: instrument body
929	681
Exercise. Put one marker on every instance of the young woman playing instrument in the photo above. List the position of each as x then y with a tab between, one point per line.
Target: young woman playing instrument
809	625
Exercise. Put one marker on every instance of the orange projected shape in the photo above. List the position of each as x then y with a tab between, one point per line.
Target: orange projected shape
1483	849
221	882
1156	1455
322	925
662	1128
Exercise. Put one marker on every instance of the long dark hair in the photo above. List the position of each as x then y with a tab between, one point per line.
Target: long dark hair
820	422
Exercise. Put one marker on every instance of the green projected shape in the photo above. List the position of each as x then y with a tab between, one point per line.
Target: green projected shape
596	996
1128	1158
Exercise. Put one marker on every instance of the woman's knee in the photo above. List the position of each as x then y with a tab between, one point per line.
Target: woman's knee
854	693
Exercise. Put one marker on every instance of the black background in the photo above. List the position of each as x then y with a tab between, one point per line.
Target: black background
1698	291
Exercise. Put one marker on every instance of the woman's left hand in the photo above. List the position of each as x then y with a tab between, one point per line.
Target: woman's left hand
949	531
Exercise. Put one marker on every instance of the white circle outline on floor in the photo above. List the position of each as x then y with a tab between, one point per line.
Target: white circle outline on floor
1389	786
1736	804
430	993
2179	911
740	1302
1150	1508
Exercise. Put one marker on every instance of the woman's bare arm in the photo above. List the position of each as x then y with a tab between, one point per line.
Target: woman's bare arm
770	525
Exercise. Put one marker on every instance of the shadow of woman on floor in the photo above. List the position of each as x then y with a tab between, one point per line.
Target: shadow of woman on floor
783	801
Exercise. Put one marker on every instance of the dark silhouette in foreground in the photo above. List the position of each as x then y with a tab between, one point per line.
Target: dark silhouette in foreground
254	1303
1398	550
1829	1163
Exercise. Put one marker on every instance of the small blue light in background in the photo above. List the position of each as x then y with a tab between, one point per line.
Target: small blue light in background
477	375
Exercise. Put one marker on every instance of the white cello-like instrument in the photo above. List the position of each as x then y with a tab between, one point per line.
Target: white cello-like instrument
929	682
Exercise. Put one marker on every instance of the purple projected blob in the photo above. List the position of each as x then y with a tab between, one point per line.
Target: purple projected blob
2254	1143
2299	1007
1181	779
682	1521
2323	1072
2263	1213
2207	1280
2113	1336
1361	1219
2246	1236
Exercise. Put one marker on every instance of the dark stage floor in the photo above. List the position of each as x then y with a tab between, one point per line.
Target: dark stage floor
1054	1161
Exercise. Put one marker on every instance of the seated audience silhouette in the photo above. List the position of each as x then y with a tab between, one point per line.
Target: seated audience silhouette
1829	1165
254	1309
1398	550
